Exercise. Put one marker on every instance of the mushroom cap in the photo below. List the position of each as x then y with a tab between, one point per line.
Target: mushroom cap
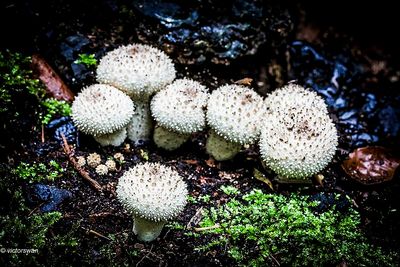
298	138
152	191
136	69
234	112
180	107
101	109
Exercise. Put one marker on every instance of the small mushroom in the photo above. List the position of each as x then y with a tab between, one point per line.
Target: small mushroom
179	111
298	138
233	114
102	111
154	194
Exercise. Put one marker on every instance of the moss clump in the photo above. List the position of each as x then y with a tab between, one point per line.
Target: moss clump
52	107
266	229
38	172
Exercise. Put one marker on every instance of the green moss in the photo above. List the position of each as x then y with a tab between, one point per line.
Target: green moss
52	107
38	172
86	59
16	78
266	229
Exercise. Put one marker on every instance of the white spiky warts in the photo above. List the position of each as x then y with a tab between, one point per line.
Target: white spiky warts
233	113
298	138
154	194
138	70
101	110
179	110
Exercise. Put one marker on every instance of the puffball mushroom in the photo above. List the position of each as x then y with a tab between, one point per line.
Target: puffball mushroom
140	71
233	114
179	111
102	111
298	138
153	193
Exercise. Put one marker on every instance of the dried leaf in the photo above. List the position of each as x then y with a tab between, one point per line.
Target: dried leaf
371	165
244	81
260	176
55	86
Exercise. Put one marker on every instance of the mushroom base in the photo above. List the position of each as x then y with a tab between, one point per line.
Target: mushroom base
167	139
220	148
114	139
147	230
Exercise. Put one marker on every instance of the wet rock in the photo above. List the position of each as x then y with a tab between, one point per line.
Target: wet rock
328	200
73	44
50	196
201	31
365	115
63	126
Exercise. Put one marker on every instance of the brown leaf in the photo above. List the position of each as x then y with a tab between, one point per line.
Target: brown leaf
55	86
260	176
371	165
244	81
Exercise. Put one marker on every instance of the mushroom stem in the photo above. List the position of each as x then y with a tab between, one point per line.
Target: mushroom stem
220	148
147	230
167	139
141	125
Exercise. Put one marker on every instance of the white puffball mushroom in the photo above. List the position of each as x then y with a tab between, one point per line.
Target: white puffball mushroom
101	111
298	138
153	193
179	111
233	113
138	70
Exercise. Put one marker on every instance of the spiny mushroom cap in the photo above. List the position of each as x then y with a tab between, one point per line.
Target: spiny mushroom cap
298	138
180	107
234	112
101	109
137	69
152	191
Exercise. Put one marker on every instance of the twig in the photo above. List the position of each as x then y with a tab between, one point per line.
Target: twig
42	133
101	214
93	232
207	228
145	256
82	172
277	262
195	219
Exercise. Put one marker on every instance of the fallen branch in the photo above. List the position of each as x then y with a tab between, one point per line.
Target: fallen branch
82	172
207	228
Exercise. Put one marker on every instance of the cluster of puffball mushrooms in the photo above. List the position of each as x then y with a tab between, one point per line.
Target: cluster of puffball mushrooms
137	87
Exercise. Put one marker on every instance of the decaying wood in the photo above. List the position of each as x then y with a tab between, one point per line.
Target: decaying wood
55	86
82	172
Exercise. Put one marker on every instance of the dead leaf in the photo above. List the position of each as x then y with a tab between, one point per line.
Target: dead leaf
261	177
244	81
55	86
371	165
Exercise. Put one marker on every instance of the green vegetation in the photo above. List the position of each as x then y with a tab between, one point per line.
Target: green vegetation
16	79
24	226
269	230
87	59
32	172
52	107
